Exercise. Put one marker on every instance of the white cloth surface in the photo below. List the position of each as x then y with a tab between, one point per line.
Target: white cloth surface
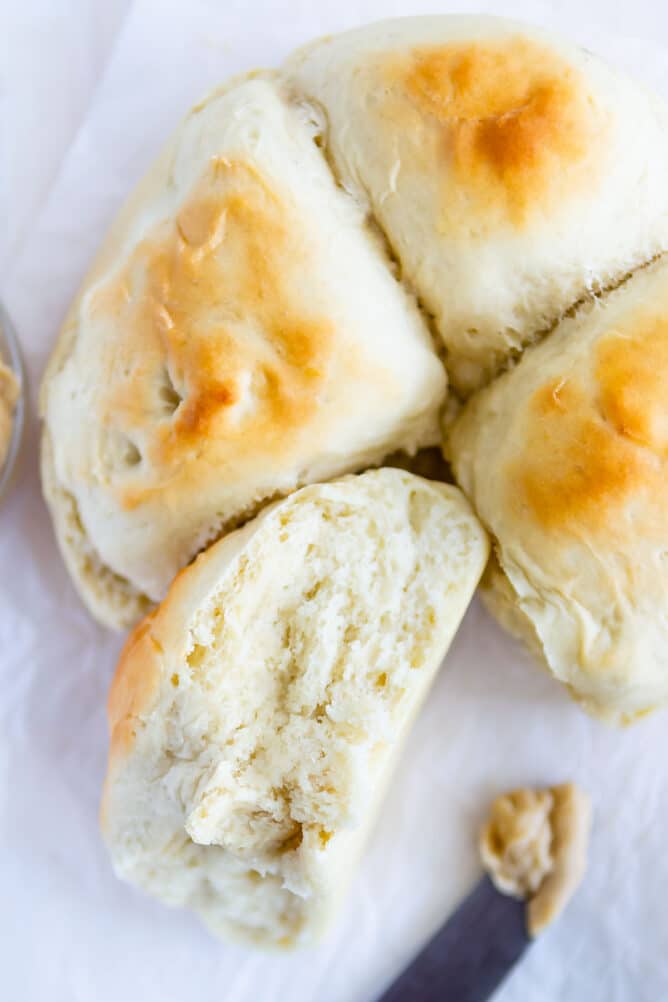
69	932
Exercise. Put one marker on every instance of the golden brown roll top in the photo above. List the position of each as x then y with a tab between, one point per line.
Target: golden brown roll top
498	161
504	126
565	459
241	334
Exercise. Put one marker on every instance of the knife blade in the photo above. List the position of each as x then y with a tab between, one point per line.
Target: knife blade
470	955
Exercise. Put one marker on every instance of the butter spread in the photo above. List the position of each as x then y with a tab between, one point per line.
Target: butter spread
534	845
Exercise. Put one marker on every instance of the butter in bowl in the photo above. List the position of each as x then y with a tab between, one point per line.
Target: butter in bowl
12	385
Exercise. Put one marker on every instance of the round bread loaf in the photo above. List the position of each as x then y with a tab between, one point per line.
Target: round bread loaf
257	713
565	460
251	323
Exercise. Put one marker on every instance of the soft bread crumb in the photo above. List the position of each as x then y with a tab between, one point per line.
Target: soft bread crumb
256	715
534	845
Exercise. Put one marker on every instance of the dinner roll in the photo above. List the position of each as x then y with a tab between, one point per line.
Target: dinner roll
256	714
566	461
511	172
241	333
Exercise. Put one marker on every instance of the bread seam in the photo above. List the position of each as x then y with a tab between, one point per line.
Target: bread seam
593	286
375	229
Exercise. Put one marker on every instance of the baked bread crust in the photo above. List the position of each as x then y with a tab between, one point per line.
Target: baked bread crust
564	459
512	172
240	334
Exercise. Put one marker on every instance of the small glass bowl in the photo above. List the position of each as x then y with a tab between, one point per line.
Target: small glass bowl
10	353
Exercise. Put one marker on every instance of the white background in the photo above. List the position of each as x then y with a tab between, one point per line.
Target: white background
88	91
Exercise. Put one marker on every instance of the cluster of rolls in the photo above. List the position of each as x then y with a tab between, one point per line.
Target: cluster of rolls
315	257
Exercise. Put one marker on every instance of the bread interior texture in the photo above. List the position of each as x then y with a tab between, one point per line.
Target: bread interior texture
274	729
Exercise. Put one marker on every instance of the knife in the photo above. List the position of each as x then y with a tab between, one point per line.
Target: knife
471	953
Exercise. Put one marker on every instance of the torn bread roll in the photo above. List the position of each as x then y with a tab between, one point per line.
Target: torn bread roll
565	461
241	333
257	713
499	161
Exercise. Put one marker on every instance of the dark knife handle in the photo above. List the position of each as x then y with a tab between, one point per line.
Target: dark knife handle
470	955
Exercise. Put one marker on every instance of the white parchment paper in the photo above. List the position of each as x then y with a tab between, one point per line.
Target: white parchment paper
68	930
51	56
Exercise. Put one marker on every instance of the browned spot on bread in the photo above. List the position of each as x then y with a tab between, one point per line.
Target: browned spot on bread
632	371
515	128
220	298
135	682
595	452
575	469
